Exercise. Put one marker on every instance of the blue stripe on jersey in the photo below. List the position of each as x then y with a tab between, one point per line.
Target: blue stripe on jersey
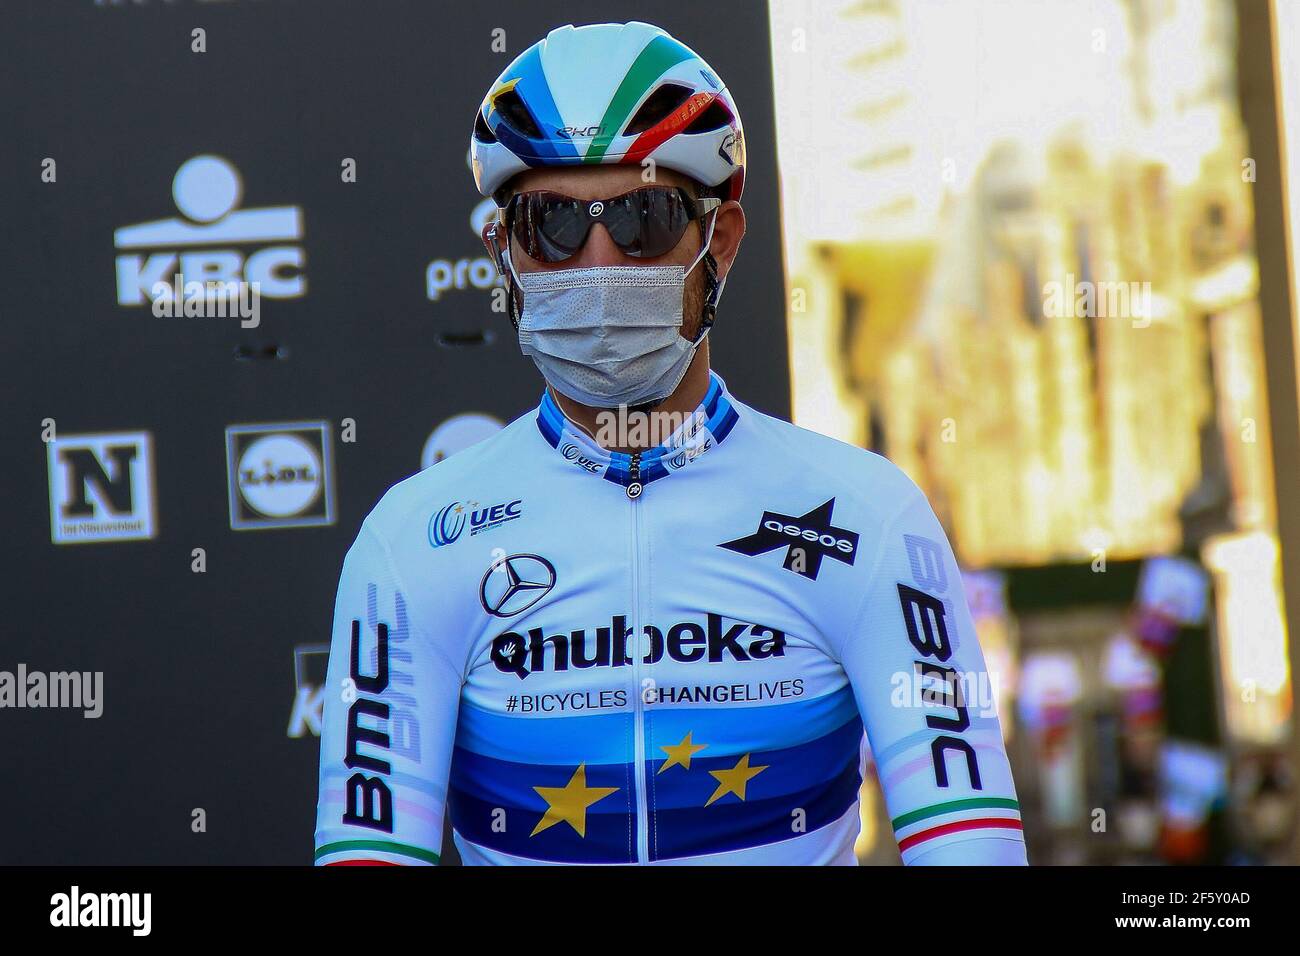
546	421
800	789
493	803
601	738
810	782
787	770
726	419
712	397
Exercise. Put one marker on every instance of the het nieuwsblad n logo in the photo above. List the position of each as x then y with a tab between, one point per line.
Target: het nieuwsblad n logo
101	487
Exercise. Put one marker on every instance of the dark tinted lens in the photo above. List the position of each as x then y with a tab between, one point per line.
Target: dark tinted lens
647	222
644	223
550	227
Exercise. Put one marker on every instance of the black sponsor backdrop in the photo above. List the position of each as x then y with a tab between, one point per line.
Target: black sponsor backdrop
198	668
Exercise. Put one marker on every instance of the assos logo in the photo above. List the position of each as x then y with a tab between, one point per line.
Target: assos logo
280	475
101	488
207	190
807	538
449	521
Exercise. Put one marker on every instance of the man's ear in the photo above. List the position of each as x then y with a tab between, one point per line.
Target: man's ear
727	233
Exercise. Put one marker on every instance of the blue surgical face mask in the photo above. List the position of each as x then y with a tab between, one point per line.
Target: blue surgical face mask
609	335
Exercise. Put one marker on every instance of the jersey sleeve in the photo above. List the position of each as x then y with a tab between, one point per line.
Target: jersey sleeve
927	702
390	706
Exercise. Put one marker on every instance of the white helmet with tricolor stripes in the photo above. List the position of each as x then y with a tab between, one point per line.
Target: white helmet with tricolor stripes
609	93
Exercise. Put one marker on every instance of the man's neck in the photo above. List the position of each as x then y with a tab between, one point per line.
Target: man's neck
677	407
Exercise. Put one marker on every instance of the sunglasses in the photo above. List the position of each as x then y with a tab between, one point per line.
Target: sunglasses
646	222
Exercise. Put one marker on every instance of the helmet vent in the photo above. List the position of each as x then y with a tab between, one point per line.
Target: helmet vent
511	107
481	131
657	105
714	117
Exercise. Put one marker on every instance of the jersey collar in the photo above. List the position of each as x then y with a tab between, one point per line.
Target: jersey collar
701	431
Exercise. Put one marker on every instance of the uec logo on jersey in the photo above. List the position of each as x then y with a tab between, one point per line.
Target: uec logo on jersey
449	521
446	524
515	583
573	453
688	455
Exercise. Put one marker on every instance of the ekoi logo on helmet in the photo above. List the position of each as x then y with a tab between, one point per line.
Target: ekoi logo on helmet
568	132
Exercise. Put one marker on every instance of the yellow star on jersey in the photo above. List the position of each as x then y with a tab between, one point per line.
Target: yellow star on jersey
568	804
679	755
734	780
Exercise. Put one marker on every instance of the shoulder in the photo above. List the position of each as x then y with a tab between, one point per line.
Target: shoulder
469	472
871	479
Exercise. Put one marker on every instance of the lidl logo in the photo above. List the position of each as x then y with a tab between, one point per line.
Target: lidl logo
280	475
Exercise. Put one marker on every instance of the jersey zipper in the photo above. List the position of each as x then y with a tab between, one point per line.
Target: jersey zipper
634	489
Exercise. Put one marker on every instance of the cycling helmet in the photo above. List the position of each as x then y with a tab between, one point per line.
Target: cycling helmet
608	93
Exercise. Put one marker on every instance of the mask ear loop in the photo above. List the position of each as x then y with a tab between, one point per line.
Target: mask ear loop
506	268
711	266
710	310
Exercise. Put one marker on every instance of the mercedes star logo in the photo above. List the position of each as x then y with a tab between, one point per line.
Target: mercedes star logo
515	583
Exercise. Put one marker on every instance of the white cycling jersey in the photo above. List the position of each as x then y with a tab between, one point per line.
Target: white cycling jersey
670	657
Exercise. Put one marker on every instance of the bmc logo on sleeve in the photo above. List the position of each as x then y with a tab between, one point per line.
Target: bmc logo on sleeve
927	615
101	488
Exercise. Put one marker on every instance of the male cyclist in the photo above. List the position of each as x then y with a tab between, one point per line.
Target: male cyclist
645	623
